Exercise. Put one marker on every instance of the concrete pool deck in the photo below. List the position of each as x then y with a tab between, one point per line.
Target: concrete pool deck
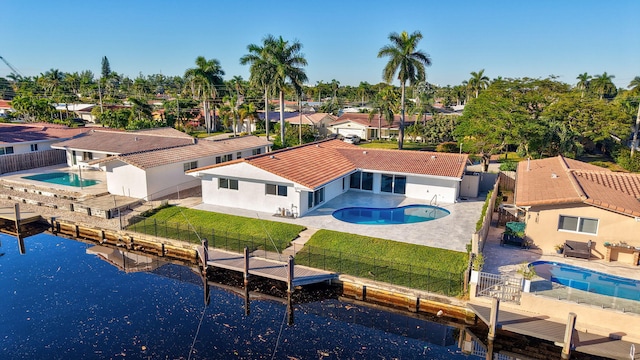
452	232
89	174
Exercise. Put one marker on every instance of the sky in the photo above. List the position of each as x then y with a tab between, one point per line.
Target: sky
341	39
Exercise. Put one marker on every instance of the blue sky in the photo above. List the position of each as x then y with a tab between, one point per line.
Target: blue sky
340	39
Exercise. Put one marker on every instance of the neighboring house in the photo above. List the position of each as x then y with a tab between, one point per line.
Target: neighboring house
26	138
154	173
317	121
566	199
367	129
103	142
81	111
305	177
5	107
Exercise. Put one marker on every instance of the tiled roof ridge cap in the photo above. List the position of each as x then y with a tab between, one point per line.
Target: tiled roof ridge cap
279	151
141	132
572	178
151	150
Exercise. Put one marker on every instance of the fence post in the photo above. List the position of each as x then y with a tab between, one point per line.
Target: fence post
410	277
155	228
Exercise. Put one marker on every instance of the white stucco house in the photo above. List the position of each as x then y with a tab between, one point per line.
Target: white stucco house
27	138
368	129
302	178
151	164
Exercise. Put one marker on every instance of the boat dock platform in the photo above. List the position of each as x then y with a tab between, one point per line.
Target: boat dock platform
297	275
542	327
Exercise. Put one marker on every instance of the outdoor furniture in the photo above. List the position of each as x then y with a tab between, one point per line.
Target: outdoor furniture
577	249
511	239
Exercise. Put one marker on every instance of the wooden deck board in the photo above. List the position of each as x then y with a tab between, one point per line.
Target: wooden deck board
25	216
542	327
267	268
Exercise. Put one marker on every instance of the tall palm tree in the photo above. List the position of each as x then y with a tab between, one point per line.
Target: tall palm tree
205	80
603	84
583	82
478	81
408	62
248	112
634	85
262	71
287	61
383	106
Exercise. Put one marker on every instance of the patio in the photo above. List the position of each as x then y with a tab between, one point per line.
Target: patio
451	232
16	178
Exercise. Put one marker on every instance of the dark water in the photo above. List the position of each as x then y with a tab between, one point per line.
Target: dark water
58	302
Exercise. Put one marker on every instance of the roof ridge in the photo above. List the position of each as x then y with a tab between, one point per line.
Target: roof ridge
151	150
572	178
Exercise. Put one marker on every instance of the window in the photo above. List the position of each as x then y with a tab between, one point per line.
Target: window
227	157
190	165
396	184
6	150
315	198
361	180
225	183
34	147
272	189
218	159
86	155
256	151
578	224
239	155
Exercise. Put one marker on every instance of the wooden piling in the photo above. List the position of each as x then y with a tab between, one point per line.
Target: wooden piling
493	318
205	256
247	301
568	336
246	266
290	268
289	309
16	210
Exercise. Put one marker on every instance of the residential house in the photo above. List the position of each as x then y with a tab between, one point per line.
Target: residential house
367	128
5	107
305	177
317	121
566	199
18	138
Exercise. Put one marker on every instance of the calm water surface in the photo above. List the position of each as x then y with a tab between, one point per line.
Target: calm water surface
58	302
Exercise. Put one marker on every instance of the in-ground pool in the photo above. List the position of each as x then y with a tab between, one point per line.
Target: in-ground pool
386	216
588	280
62	178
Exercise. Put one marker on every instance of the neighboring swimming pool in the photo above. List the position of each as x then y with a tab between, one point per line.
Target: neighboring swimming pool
386	216
62	178
587	280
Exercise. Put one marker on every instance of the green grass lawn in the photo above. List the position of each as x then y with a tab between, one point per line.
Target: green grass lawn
222	230
416	266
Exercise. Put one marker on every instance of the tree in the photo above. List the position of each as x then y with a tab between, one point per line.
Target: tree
583	83
478	82
140	109
205	80
106	68
407	62
262	71
248	111
287	62
383	106
635	89
603	85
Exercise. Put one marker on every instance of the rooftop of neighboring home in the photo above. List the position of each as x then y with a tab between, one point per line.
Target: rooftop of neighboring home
13	133
121	142
363	119
191	151
5	104
335	158
296	118
560	181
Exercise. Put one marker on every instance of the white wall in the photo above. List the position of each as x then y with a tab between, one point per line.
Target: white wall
25	147
426	188
126	180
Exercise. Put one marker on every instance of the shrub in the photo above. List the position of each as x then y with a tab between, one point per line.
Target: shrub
448	147
484	211
629	163
509	166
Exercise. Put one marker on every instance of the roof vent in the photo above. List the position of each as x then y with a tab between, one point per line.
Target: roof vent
554	176
317	145
136	138
433	156
365	152
272	157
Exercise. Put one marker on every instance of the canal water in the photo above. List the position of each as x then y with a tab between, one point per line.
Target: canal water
59	302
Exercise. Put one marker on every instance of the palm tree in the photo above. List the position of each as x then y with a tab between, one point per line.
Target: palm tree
408	62
248	111
262	71
205	80
287	62
383	107
603	84
583	82
634	85
478	81
635	88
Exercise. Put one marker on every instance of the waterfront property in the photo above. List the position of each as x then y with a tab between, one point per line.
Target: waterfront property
295	181
157	159
62	178
27	138
566	199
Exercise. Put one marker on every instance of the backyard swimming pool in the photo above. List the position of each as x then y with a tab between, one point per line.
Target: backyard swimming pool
62	178
386	216
588	280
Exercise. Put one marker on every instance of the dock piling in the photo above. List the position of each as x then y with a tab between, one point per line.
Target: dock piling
568	336
493	318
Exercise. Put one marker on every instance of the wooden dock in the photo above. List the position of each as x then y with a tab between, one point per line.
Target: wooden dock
266	268
541	327
25	217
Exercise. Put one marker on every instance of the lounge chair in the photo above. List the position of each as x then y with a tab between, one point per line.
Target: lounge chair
577	249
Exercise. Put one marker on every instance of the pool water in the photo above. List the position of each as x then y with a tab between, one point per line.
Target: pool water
588	280
386	216
62	178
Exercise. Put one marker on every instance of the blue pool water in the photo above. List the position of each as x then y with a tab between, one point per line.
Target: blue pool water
588	280
62	178
58	302
386	216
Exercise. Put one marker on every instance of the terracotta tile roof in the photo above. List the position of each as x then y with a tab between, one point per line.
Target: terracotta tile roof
121	142
558	180
363	119
11	133
204	148
315	164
